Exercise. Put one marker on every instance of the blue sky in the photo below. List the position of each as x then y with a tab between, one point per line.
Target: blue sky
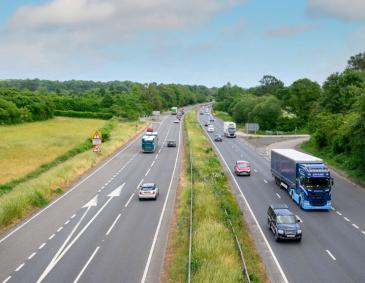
209	42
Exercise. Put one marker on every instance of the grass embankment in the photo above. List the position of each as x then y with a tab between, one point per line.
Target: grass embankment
215	257
36	192
341	161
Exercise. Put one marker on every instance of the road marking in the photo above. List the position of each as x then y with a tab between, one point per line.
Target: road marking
143	280
99	191
32	255
153	163
112	226
51	237
74	187
265	181
148	171
68	221
63	250
330	254
73	216
102	187
87	263
357	227
333	208
19	267
363	232
300	220
348	220
252	214
140	183
255	170
156	156
129	200
59	229
41	246
278	195
7	279
339	213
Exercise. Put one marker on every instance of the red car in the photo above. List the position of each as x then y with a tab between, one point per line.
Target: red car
149	130
242	168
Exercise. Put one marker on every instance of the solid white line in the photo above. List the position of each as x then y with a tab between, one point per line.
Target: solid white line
32	255
330	254
68	221
19	267
143	280
87	263
153	163
278	195
252	214
357	227
73	216
7	279
129	200
148	171
139	184
339	213
51	237
348	220
59	229
112	226
156	156
265	181
41	246
73	188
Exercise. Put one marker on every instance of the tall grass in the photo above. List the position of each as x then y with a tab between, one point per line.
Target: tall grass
37	192
215	257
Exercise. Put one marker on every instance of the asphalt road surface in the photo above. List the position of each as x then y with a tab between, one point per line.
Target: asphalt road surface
333	244
98	231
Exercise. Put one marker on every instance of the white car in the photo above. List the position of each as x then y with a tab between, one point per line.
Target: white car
148	191
210	128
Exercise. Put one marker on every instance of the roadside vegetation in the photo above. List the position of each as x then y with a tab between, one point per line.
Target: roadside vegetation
334	113
37	191
215	256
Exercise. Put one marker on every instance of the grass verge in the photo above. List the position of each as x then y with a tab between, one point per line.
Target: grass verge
26	197
215	257
342	161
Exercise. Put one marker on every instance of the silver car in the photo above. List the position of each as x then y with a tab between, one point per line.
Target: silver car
148	191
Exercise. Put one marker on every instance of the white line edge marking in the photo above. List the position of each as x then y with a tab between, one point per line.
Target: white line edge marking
252	214
41	246
112	226
330	254
348	220
139	184
7	279
339	213
143	280
85	266
278	195
353	224
32	255
129	200
19	267
153	163
51	237
74	187
148	171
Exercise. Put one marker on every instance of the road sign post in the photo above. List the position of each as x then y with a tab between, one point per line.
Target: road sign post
97	141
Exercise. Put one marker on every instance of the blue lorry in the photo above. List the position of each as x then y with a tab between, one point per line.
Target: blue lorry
306	178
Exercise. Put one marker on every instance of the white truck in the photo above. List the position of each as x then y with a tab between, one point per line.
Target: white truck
229	129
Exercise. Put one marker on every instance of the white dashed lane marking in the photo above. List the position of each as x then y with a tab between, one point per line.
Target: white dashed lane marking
330	254
265	181
32	255
357	227
278	195
7	279
41	246
339	213
19	267
348	220
51	237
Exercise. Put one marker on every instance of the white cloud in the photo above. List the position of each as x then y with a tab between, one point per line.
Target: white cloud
288	31
343	9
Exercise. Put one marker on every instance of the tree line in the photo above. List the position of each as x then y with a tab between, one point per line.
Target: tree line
334	113
34	100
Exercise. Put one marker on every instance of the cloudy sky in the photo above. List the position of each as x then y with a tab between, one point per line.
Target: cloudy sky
208	42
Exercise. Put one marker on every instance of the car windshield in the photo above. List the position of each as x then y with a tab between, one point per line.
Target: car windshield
147	187
243	165
316	182
286	219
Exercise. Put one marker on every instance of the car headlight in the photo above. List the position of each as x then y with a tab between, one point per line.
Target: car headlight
281	231
299	231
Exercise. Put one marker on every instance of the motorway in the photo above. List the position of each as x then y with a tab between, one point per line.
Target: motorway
333	245
98	231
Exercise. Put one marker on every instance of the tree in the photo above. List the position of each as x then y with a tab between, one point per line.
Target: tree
357	62
267	113
268	85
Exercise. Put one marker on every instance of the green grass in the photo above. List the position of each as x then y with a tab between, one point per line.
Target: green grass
215	254
36	192
341	161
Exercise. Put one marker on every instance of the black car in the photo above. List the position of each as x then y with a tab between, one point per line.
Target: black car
206	124
218	138
283	223
171	143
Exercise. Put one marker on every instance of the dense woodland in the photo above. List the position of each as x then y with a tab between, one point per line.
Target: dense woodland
33	100
333	113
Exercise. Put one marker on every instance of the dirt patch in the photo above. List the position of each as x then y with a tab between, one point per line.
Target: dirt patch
263	141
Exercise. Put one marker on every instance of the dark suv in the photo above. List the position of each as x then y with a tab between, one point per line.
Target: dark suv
283	223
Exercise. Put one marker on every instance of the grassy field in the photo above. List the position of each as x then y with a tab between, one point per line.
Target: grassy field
25	147
26	197
215	256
